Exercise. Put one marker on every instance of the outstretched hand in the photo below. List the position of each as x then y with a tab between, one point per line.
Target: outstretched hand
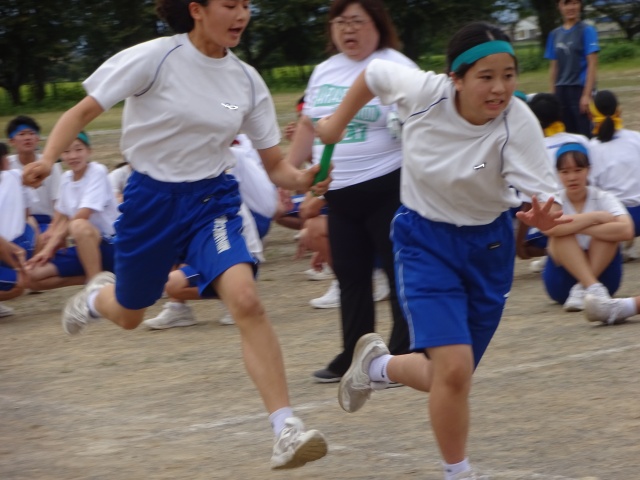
308	179
543	217
12	254
33	174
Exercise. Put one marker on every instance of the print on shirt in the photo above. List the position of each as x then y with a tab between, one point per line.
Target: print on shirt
331	96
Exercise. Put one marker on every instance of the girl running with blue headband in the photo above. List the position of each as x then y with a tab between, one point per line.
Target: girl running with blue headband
466	142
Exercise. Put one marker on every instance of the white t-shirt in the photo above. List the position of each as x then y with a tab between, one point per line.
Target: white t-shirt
597	200
368	150
92	191
47	192
14	201
615	166
183	109
118	178
453	171
256	189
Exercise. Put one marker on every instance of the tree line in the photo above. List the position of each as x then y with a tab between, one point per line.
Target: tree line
57	40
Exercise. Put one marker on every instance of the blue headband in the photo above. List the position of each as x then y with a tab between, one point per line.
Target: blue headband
20	128
480	51
571	147
84	138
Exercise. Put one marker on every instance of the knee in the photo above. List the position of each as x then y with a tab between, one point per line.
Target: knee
130	319
176	283
245	304
82	229
456	375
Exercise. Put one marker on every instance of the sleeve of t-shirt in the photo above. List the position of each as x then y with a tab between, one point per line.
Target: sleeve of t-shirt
610	203
261	125
590	39
118	179
412	89
550	50
123	75
526	164
56	173
255	187
96	192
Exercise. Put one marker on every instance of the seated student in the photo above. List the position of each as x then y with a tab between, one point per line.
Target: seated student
615	158
118	178
18	237
24	134
259	205
584	257
84	218
547	109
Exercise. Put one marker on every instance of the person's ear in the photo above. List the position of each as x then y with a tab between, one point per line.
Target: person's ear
457	81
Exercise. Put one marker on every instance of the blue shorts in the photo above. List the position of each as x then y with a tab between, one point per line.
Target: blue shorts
635	216
68	264
453	282
193	277
163	224
536	238
558	281
263	224
43	222
8	276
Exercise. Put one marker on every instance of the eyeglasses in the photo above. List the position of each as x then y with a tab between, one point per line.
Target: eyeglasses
354	23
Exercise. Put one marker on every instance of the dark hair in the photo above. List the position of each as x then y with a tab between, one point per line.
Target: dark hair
607	104
4	150
468	37
547	108
378	13
22	120
565	1
176	13
581	160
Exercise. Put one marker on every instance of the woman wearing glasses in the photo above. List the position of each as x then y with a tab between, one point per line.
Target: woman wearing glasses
365	191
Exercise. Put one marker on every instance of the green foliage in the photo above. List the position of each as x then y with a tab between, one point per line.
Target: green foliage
287	78
618	51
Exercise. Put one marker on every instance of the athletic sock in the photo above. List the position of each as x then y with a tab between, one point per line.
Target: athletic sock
278	417
91	303
378	369
451	470
629	308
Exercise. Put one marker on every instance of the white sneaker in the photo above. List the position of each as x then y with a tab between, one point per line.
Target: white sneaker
380	285
537	266
315	275
173	314
6	311
356	386
294	446
331	299
601	309
75	315
575	301
469	475
226	320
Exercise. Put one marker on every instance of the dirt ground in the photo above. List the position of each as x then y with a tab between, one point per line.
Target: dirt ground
555	398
